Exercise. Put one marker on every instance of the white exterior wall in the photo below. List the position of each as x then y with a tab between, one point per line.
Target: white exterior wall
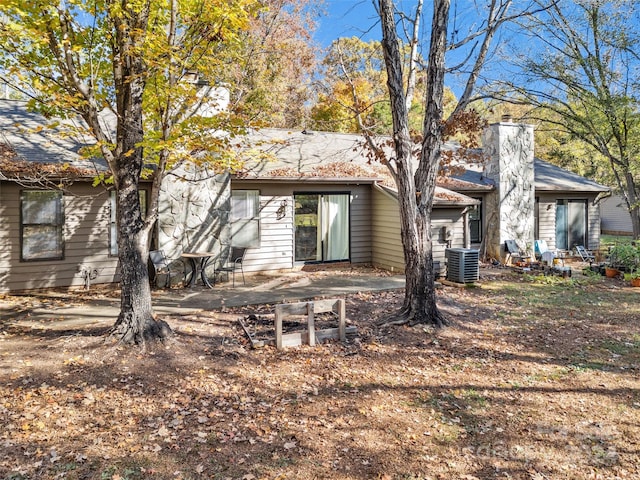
276	251
547	220
547	217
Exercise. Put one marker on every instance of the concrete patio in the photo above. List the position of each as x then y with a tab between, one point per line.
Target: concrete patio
259	289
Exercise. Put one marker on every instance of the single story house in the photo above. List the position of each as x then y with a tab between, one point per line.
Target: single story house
302	197
510	195
318	199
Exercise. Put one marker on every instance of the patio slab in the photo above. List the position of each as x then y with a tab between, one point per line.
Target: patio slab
259	289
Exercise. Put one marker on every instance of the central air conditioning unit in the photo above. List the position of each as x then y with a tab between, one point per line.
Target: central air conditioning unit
463	265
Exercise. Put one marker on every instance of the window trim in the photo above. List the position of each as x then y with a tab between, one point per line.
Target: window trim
245	220
59	225
479	208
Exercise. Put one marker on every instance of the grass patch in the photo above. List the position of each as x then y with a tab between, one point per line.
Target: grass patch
622	347
607	241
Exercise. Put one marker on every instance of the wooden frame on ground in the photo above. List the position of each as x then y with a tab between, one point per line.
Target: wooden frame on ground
310	336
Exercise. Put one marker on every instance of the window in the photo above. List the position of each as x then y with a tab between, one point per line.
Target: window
475	222
245	218
321	227
571	223
113	224
41	225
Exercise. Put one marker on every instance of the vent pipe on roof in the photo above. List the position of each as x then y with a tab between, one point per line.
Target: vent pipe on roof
507	118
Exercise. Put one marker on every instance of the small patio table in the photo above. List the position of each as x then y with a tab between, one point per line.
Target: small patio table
199	262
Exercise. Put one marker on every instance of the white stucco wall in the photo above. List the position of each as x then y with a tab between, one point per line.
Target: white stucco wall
194	212
510	148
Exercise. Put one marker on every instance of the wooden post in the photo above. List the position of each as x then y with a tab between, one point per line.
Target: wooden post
311	327
278	327
342	324
309	309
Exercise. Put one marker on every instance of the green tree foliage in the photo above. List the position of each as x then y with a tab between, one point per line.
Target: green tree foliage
151	64
582	80
351	92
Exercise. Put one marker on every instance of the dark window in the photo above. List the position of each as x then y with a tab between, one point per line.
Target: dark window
475	222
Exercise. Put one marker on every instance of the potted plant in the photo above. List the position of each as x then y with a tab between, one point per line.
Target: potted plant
635	279
624	258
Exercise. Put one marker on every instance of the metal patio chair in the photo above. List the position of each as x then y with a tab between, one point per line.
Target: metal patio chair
584	254
513	252
235	263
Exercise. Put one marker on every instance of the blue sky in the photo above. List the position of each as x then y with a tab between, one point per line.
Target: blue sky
347	18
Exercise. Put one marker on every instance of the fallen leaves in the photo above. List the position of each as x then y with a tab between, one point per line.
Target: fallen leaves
495	392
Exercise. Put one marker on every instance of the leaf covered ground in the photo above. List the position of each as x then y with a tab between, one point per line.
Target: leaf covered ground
534	379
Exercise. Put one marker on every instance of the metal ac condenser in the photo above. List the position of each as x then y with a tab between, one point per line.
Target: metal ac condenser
463	265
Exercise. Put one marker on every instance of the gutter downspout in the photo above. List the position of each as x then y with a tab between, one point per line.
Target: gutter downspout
465	227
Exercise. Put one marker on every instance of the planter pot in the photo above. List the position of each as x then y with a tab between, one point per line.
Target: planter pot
635	282
611	272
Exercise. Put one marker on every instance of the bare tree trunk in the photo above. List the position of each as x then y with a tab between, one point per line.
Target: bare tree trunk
416	191
136	323
633	204
635	221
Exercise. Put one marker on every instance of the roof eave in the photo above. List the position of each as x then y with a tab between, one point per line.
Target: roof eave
439	202
306	179
453	204
571	190
476	189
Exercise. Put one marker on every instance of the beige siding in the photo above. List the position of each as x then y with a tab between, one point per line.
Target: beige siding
276	249
547	218
387	243
276	235
594	225
547	221
86	240
451	219
615	216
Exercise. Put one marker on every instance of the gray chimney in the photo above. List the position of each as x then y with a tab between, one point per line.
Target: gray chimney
510	208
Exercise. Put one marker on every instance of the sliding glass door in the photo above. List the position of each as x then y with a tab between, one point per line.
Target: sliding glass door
321	227
571	223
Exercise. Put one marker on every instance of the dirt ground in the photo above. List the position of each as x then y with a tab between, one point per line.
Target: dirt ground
536	378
